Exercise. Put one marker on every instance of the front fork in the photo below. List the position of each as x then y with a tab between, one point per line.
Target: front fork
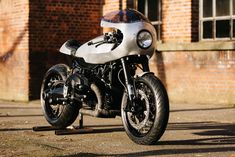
130	85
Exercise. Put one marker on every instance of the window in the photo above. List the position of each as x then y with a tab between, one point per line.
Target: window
217	19
152	10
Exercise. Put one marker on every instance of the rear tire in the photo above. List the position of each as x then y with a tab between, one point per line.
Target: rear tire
148	125
58	115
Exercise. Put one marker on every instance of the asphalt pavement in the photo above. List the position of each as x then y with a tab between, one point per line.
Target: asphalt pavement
194	130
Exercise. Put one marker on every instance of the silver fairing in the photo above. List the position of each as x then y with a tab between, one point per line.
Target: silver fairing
104	53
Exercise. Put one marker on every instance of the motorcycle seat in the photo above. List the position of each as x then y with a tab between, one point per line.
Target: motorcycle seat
72	45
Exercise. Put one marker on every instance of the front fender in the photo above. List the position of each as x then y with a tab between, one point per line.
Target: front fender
144	73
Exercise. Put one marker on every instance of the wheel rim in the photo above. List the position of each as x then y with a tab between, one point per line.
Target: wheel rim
139	124
53	111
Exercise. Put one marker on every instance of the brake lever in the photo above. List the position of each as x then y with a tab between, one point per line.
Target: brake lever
114	46
103	42
93	43
107	39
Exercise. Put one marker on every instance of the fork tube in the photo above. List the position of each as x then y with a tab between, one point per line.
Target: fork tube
145	64
129	83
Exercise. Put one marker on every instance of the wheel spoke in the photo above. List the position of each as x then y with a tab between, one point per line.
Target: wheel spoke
137	120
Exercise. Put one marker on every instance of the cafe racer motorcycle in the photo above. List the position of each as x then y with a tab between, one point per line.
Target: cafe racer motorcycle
109	76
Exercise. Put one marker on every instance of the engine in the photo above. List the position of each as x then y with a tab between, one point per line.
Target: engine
75	85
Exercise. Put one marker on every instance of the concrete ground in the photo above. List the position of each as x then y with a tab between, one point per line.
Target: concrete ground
193	130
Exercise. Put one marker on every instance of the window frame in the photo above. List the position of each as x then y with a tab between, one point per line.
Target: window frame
158	23
215	18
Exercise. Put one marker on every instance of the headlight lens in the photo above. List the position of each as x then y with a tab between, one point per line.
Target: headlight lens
144	39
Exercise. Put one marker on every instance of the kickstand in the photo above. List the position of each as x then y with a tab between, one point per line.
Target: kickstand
80	117
66	131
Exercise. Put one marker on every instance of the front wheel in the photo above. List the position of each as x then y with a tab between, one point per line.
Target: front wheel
147	124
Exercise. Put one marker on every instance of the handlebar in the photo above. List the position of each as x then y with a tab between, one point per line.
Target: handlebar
114	37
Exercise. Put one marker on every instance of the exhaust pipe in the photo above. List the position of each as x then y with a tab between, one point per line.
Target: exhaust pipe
99	111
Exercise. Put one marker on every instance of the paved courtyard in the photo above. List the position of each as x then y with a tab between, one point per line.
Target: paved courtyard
193	130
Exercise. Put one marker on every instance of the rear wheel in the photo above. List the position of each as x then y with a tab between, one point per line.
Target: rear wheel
147	124
58	115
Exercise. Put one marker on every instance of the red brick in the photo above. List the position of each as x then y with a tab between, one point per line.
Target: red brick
32	32
14	50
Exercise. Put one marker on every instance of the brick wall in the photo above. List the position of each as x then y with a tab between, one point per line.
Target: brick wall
192	77
197	77
176	21
51	23
14	50
31	34
112	5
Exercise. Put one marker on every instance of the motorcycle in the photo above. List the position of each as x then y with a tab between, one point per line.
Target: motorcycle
109	76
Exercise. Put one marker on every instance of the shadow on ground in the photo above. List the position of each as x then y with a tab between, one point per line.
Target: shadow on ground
219	138
160	152
209	137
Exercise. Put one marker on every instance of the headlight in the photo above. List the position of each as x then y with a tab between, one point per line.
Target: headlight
144	39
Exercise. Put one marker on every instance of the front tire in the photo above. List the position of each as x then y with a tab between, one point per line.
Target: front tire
149	123
58	115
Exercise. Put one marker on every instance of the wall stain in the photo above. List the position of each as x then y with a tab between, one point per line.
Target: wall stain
8	54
